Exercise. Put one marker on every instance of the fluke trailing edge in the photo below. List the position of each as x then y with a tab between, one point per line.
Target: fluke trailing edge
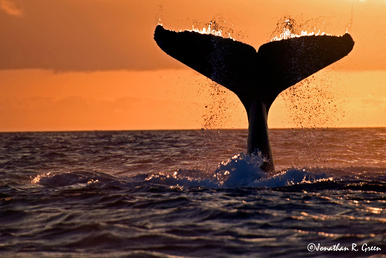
256	78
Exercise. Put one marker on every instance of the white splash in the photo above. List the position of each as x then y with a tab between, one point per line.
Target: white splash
210	31
241	170
287	33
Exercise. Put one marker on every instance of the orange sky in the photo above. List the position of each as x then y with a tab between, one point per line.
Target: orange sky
93	65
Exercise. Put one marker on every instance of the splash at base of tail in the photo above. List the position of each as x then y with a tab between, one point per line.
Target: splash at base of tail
257	78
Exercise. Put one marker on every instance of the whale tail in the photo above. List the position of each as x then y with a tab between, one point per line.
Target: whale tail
256	77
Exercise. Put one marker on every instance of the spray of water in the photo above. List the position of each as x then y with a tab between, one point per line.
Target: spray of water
316	101
312	103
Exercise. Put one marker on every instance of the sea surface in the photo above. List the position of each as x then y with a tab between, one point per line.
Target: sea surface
192	193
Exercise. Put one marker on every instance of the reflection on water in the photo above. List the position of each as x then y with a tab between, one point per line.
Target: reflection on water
190	193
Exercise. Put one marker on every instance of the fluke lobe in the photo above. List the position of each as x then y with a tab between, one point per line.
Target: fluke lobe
256	78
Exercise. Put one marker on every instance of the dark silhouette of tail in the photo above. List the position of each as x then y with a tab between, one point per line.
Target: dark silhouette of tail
256	78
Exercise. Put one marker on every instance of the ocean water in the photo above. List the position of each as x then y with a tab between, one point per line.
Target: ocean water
192	193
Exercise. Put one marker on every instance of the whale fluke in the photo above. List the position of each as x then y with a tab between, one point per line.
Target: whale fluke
257	78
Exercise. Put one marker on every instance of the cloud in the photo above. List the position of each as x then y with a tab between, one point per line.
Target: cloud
42	113
371	102
10	8
87	35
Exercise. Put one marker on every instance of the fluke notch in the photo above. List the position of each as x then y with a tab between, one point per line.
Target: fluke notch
257	78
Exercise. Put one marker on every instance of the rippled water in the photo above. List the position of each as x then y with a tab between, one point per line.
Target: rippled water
192	194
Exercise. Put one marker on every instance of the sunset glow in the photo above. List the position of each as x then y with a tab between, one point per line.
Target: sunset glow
93	65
